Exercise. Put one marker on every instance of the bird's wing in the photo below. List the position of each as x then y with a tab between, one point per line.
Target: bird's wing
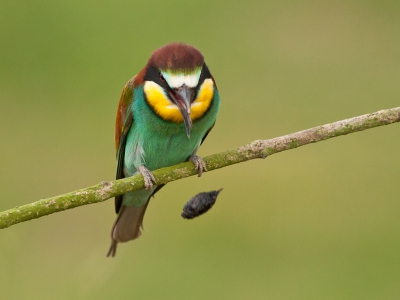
122	125
208	131
202	140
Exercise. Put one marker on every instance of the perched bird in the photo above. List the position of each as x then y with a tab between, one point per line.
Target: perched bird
164	114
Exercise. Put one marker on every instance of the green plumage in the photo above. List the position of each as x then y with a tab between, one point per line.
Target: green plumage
164	143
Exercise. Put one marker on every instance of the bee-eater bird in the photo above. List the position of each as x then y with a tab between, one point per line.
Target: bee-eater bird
164	114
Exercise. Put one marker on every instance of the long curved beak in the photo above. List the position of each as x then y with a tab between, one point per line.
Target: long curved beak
183	97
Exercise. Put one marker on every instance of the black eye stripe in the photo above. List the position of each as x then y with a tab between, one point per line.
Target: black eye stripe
205	74
153	74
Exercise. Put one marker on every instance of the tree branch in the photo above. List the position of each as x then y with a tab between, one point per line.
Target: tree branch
257	149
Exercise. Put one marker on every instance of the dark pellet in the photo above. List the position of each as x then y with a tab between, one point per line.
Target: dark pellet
199	204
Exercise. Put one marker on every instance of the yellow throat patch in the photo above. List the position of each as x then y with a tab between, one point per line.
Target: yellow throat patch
167	110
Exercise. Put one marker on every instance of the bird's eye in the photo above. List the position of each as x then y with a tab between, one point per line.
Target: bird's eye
162	78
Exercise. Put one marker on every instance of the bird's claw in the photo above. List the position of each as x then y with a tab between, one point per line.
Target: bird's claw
199	164
148	177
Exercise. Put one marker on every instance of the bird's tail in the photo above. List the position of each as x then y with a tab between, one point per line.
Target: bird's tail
127	226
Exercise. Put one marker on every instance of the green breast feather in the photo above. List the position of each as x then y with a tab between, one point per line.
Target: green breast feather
158	143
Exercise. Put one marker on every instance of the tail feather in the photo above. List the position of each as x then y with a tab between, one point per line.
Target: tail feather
127	226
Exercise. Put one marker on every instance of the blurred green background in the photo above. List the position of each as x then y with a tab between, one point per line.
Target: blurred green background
318	222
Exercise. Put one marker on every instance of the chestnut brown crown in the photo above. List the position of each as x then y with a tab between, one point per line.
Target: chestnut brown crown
176	56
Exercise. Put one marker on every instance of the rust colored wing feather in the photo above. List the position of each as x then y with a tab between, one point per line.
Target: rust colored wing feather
123	120
123	123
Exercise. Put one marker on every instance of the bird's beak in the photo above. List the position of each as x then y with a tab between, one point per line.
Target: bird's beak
183	97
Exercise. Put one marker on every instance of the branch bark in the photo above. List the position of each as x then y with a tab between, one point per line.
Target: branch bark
257	149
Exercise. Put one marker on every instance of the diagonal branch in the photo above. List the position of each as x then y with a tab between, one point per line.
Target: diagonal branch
257	149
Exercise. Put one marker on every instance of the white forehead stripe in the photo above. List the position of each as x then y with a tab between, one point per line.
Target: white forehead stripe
177	80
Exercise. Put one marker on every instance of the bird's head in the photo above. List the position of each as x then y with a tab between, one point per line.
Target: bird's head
177	84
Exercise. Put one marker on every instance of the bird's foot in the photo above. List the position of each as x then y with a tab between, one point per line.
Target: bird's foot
199	164
147	176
